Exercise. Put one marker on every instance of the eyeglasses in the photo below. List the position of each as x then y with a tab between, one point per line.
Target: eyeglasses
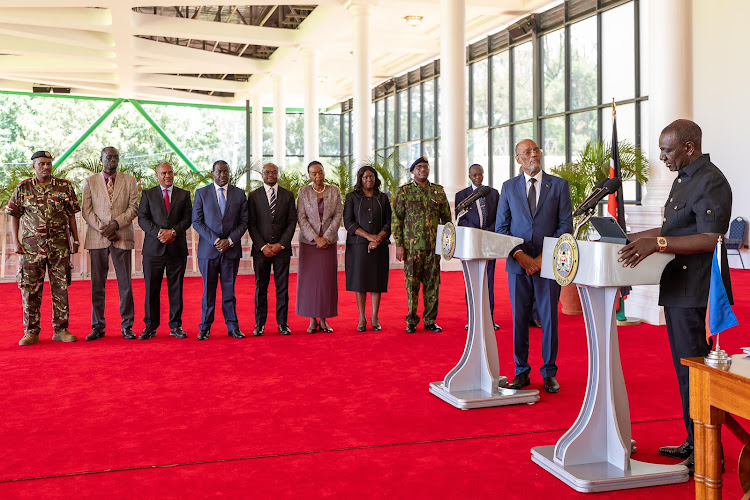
529	152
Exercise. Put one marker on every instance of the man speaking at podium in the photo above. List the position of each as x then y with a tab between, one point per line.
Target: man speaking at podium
697	212
533	205
481	215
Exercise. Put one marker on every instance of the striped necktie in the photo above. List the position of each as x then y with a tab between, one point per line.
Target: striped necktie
272	205
110	187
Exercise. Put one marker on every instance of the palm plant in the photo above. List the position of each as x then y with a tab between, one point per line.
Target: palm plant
292	181
592	166
342	177
389	170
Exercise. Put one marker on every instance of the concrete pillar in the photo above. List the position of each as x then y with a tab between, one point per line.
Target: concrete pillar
312	120
279	122
362	130
453	167
257	129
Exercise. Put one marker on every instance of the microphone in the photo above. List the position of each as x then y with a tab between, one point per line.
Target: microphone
604	188
478	193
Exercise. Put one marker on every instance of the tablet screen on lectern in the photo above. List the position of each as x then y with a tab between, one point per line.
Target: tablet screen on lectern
609	230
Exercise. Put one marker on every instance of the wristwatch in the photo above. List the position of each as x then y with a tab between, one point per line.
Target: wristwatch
662	242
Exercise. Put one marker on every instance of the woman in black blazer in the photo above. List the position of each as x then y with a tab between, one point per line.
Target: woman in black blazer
367	219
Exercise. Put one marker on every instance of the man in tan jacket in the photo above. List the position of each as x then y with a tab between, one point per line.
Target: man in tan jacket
110	203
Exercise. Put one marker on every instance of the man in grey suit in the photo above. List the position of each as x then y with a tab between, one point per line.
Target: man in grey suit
220	218
110	203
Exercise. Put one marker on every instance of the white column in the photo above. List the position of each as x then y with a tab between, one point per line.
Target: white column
362	133
312	121
279	122
670	92
453	168
257	129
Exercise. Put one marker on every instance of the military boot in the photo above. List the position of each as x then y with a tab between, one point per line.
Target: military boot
64	335
29	339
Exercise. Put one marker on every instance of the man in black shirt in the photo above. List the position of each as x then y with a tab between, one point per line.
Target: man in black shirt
697	212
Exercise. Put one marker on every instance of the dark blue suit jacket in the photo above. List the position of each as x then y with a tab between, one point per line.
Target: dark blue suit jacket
553	217
209	223
471	218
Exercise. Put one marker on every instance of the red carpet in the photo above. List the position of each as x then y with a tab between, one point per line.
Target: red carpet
343	414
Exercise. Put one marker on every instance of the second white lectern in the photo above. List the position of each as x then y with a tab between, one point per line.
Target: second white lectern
474	382
594	454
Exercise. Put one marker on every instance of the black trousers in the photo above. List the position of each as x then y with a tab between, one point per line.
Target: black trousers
262	267
686	328
121	259
153	274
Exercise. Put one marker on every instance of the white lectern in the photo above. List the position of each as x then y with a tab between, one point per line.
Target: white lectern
473	382
594	454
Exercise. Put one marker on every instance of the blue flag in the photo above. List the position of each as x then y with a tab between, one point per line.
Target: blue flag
720	314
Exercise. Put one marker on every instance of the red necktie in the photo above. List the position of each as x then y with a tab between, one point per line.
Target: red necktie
166	199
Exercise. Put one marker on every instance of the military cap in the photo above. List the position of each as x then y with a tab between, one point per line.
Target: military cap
41	154
421	159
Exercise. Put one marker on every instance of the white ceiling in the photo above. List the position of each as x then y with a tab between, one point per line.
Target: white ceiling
93	47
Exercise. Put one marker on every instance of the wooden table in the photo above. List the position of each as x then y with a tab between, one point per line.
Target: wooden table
716	394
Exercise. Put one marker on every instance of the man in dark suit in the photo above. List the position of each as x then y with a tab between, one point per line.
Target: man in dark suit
272	220
533	205
481	215
220	218
164	214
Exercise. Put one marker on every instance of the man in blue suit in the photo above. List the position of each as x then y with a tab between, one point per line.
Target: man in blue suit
533	205
220	218
481	215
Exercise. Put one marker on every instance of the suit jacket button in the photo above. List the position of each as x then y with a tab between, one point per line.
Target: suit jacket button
708	211
684	267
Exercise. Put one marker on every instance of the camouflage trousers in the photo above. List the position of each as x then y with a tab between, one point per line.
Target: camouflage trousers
422	267
31	270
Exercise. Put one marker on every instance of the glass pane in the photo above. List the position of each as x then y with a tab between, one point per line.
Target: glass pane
643	8
437	106
267	134
477	147
583	129
501	156
500	88
428	97
553	72
523	88
429	151
618	54
379	124
521	132
403	156
479	87
347	146
583	65
295	135
390	106
645	134
330	135
403	118
625	123
294	163
553	132
415	117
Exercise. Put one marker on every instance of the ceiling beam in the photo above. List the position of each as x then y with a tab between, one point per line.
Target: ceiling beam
190	82
79	38
58	17
15	64
24	46
201	61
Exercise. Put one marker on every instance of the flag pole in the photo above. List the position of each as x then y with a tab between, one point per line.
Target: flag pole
718	357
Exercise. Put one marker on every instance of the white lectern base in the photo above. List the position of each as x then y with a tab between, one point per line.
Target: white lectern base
477	398
603	476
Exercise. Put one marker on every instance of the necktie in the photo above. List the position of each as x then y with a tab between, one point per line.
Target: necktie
482	212
222	201
272	206
532	196
166	199
110	187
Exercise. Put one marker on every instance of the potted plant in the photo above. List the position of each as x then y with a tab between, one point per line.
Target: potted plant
589	168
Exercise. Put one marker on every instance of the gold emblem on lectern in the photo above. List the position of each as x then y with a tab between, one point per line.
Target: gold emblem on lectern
448	241
565	259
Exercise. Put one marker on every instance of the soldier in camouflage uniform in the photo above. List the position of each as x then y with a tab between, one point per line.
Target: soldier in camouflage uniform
418	207
43	222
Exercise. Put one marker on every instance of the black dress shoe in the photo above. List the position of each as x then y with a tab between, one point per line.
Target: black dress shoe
95	334
433	328
204	335
683	451
147	334
178	332
236	334
258	330
411	328
324	327
551	385
285	330
689	462
377	328
128	333
536	323
521	380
